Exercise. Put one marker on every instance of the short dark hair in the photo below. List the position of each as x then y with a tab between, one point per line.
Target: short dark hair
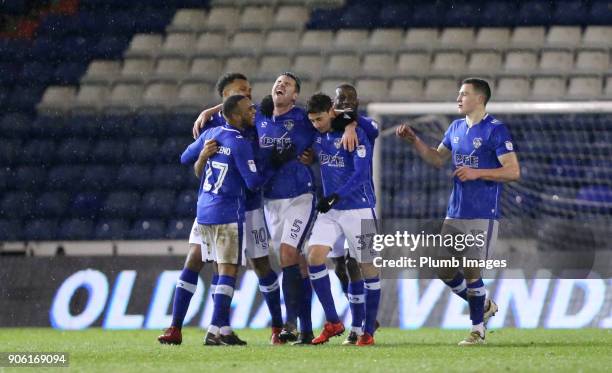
319	103
298	82
228	78
481	86
231	104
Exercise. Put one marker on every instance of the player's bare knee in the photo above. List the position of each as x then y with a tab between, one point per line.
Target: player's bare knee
472	275
303	266
194	258
369	270
289	255
226	269
317	254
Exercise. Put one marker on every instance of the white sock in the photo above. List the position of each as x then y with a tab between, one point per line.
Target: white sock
226	330
212	329
357	330
479	328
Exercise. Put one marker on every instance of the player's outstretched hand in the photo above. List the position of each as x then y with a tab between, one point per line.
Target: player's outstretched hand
280	157
466	173
349	138
266	106
326	203
406	133
307	157
210	148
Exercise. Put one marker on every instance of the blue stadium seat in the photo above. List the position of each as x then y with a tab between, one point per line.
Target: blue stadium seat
78	48
30	177
109	151
74	151
570	12
10	150
462	15
10	230
142	150
97	177
358	16
171	177
395	15
147	229
114	125
134	177
178	229
49	127
600	13
498	14
153	20
427	15
153	125
14	7
14	50
15	125
84	126
111	229
186	204
599	193
325	19
45	48
40	229
39	152
86	204
8	73
121	205
172	148
65	177
17	204
41	72
110	47
157	204
69	73
181	124
75	229
51	205
534	13
54	25
25	96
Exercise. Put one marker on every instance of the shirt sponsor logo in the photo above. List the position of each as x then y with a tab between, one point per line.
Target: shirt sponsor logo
338	143
466	160
331	160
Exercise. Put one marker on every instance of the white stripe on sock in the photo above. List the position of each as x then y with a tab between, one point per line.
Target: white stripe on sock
478	292
318	275
359	298
459	288
268	288
225	290
187	286
372	285
212	329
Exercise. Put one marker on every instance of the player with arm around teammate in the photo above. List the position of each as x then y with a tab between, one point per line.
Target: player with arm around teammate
347	209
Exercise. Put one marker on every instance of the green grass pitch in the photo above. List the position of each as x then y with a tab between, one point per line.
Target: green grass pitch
423	350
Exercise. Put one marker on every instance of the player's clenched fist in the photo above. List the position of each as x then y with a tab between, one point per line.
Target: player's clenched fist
210	148
405	132
466	173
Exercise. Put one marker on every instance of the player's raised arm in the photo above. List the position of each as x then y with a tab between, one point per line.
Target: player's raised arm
191	154
203	118
434	156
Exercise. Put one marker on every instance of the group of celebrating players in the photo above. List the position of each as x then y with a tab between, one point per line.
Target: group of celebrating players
257	190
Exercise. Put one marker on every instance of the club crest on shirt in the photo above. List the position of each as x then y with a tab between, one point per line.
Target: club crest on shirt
252	165
264	124
509	145
361	151
477	142
338	143
288	124
456	140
